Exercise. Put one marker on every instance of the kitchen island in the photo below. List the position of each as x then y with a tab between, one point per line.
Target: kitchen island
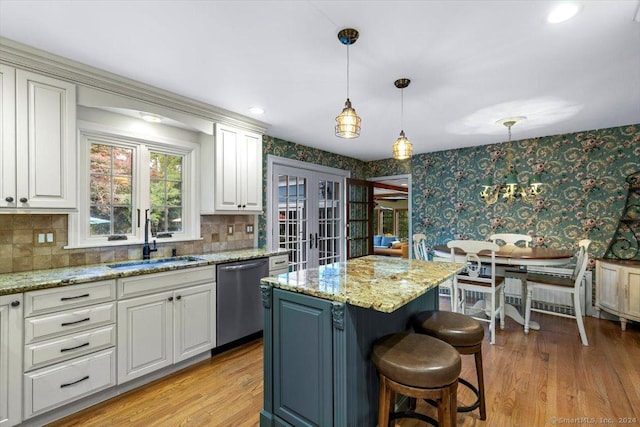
319	327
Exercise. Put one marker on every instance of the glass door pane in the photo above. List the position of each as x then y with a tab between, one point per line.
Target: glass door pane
329	221
293	221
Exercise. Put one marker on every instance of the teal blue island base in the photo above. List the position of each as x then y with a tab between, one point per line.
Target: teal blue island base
317	366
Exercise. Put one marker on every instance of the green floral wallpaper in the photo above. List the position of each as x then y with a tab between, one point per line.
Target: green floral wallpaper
290	150
583	197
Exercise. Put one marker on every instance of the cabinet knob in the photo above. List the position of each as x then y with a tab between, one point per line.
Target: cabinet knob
8	199
239	206
15	303
23	200
179	297
170	298
244	206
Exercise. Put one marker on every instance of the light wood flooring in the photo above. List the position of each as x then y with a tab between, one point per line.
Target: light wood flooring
546	378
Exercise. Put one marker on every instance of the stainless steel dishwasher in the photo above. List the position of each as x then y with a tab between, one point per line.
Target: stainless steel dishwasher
239	309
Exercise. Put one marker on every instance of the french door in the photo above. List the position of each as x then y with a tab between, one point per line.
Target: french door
307	216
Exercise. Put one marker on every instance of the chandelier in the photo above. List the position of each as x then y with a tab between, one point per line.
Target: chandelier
348	122
402	146
511	188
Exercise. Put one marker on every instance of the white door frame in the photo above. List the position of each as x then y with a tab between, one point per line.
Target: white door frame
275	160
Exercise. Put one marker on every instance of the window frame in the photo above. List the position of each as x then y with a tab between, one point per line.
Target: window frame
142	144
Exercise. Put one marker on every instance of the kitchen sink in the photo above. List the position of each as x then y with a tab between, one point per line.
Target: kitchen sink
156	262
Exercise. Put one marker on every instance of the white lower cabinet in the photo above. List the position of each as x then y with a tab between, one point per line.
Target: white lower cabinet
10	360
163	328
69	344
62	383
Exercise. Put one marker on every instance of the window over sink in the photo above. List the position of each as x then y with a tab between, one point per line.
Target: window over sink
125	176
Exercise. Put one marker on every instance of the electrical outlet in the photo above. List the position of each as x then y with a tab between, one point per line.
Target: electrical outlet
44	237
249	229
230	229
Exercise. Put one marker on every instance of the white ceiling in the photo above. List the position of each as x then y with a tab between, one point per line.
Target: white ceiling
471	63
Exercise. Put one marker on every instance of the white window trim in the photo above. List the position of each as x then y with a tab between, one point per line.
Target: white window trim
78	222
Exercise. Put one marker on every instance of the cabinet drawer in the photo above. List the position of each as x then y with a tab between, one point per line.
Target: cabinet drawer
56	385
65	322
151	283
50	300
278	262
67	347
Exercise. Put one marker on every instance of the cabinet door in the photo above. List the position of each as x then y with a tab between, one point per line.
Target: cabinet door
250	177
632	292
302	359
45	135
607	288
194	311
226	181
10	360
145	335
7	137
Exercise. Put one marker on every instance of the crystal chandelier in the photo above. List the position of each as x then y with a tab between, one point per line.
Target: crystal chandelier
348	122
511	188
402	146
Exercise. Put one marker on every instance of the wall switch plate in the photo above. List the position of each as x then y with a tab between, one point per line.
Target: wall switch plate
230	229
44	237
249	229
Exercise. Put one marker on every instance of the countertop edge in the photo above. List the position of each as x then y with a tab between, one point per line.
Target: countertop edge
16	283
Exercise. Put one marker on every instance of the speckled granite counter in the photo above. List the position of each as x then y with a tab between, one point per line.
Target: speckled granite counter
377	282
14	283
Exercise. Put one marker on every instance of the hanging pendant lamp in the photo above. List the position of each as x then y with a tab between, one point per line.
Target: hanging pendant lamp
402	147
348	122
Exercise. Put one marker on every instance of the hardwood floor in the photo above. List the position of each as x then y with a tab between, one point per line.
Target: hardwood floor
530	381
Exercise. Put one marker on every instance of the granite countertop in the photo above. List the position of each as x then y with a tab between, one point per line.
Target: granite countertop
13	283
377	282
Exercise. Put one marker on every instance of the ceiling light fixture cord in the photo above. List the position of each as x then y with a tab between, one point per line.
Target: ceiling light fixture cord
347	71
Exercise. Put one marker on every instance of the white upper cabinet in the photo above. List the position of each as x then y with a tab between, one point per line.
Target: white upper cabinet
38	167
232	172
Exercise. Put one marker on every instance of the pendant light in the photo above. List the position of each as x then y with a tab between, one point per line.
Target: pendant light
511	188
402	146
348	122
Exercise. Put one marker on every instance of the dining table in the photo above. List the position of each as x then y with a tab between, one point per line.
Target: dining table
518	257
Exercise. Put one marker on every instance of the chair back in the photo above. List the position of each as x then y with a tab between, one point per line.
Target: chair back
511	239
581	262
420	246
474	264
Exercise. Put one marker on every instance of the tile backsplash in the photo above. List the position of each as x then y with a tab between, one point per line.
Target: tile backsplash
24	244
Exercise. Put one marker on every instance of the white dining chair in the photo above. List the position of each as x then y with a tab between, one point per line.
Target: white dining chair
421	252
511	238
420	246
477	278
567	284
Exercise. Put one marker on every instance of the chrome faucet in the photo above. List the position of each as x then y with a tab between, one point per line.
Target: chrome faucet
146	249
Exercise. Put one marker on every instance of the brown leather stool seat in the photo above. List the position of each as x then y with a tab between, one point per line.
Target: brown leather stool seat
465	334
417	366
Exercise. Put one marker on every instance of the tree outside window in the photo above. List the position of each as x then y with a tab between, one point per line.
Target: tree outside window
111	190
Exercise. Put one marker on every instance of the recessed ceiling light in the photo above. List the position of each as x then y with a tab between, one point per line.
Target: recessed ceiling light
256	110
148	117
563	12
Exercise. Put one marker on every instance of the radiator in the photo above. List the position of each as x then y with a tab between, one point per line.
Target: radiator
558	302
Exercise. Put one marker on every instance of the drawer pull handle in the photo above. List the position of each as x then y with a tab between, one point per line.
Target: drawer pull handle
72	298
86	319
62	350
75	382
280	262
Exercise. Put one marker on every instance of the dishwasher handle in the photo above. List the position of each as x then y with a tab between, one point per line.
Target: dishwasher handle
245	266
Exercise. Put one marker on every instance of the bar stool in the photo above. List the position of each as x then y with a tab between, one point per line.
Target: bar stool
417	366
465	334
